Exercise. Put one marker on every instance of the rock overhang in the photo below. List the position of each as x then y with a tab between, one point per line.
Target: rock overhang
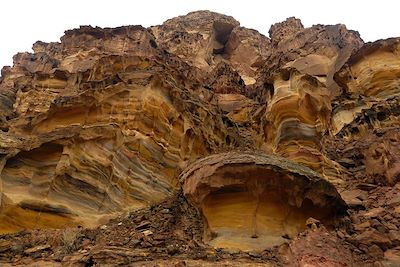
252	201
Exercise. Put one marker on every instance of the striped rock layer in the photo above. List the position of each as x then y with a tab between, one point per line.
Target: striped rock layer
105	121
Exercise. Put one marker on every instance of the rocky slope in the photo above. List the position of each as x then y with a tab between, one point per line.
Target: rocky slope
199	141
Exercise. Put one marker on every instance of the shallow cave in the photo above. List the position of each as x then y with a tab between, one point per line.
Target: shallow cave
222	32
253	207
235	220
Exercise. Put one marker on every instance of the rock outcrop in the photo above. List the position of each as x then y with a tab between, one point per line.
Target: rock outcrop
275	142
367	112
101	130
299	76
206	39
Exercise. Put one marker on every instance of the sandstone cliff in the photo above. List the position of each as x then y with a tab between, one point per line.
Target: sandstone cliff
254	144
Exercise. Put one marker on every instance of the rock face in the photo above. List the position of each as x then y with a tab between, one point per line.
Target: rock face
368	109
259	133
101	130
300	76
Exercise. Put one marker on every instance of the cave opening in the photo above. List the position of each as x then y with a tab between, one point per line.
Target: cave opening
222	32
255	206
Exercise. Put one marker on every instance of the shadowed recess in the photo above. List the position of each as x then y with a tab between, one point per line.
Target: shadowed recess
255	201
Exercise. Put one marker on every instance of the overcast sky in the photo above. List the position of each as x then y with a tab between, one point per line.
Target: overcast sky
23	22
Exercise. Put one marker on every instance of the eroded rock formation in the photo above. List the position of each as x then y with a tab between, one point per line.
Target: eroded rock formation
299	76
367	111
253	201
260	133
205	39
101	130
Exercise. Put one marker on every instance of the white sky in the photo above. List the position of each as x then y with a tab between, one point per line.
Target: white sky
23	22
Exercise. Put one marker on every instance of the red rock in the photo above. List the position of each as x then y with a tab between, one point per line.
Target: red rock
370	237
392	257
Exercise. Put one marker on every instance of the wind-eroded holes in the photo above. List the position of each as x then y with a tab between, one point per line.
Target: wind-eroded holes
227	140
381	116
285	74
90	262
153	43
237	218
367	120
258	205
354	130
13	163
228	122
270	90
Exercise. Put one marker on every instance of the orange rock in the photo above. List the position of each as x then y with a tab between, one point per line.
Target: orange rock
251	201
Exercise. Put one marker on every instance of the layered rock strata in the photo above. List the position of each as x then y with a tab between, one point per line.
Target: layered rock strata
299	78
367	112
370	81
101	130
107	120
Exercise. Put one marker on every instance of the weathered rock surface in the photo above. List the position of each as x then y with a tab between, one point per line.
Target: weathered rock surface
205	39
252	201
281	143
327	250
365	117
299	77
319	50
103	130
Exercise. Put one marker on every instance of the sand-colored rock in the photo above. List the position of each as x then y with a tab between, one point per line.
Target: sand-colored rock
374	70
102	131
366	116
382	158
260	133
319	50
297	116
251	201
298	78
370	80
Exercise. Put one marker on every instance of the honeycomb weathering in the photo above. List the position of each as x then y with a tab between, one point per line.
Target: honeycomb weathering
253	201
198	134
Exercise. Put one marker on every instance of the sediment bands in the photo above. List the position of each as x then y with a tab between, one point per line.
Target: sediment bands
106	149
105	121
251	201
